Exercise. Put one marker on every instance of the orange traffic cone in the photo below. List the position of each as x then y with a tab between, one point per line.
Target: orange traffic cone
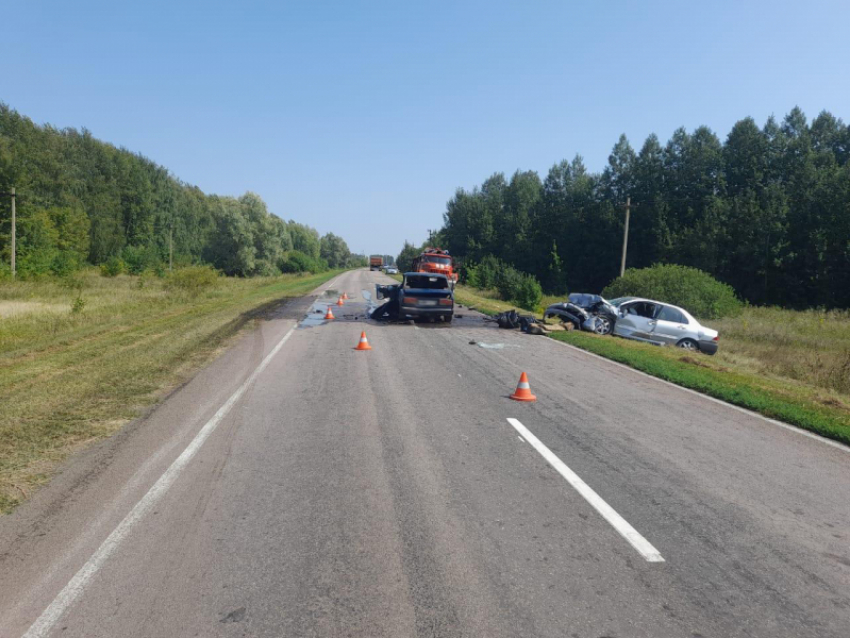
364	342
523	390
329	314
339	301
345	296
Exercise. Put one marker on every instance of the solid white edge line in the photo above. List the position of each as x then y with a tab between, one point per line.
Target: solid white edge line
643	546
77	585
786	426
79	582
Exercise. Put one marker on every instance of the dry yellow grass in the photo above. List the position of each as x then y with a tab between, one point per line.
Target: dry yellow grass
811	347
19	308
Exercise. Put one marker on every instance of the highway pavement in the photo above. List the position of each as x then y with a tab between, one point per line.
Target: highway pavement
298	487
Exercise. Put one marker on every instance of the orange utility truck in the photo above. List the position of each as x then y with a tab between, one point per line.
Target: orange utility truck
435	260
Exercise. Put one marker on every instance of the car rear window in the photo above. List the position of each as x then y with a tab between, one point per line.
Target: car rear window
424	281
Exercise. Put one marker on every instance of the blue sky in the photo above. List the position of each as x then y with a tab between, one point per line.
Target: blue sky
362	118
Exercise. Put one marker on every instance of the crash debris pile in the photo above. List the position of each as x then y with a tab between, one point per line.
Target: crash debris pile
512	320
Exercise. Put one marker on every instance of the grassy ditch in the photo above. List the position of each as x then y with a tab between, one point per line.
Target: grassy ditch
81	357
489	302
789	365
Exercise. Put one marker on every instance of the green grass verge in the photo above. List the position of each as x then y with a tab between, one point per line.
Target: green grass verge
69	378
752	370
482	300
772	398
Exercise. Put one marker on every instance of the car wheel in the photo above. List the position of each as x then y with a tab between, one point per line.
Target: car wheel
688	344
603	326
448	318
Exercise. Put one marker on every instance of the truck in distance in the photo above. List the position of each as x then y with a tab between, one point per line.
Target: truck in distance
376	262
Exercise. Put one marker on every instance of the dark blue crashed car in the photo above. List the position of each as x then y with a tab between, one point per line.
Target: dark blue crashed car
420	296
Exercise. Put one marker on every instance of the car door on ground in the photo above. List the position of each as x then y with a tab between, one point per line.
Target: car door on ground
671	325
637	320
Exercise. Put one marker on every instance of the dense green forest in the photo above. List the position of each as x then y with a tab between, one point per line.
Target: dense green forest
767	211
82	200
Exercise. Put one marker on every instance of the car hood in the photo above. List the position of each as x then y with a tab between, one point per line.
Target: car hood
566	306
590	301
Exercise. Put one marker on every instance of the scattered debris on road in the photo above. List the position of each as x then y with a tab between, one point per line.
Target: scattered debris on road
493	346
511	320
237	615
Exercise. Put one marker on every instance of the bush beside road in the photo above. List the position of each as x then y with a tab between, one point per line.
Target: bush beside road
790	365
81	356
698	292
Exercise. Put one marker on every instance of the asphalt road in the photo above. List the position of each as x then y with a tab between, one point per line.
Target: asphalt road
385	493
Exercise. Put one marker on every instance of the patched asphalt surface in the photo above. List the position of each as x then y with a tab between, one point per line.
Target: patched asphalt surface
383	493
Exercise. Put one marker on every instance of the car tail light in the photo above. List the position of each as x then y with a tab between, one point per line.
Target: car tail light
445	302
410	301
717	338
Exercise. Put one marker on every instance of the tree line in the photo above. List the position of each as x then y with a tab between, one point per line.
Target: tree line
83	200
766	211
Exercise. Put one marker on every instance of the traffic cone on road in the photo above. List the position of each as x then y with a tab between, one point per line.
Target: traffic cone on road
364	342
339	302
523	390
329	314
345	296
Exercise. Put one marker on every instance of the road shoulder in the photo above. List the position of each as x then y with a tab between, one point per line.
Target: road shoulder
43	541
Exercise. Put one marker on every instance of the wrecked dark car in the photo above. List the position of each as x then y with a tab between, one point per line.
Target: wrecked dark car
585	312
420	296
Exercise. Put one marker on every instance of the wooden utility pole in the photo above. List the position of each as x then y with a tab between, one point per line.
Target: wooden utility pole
12	193
626	235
